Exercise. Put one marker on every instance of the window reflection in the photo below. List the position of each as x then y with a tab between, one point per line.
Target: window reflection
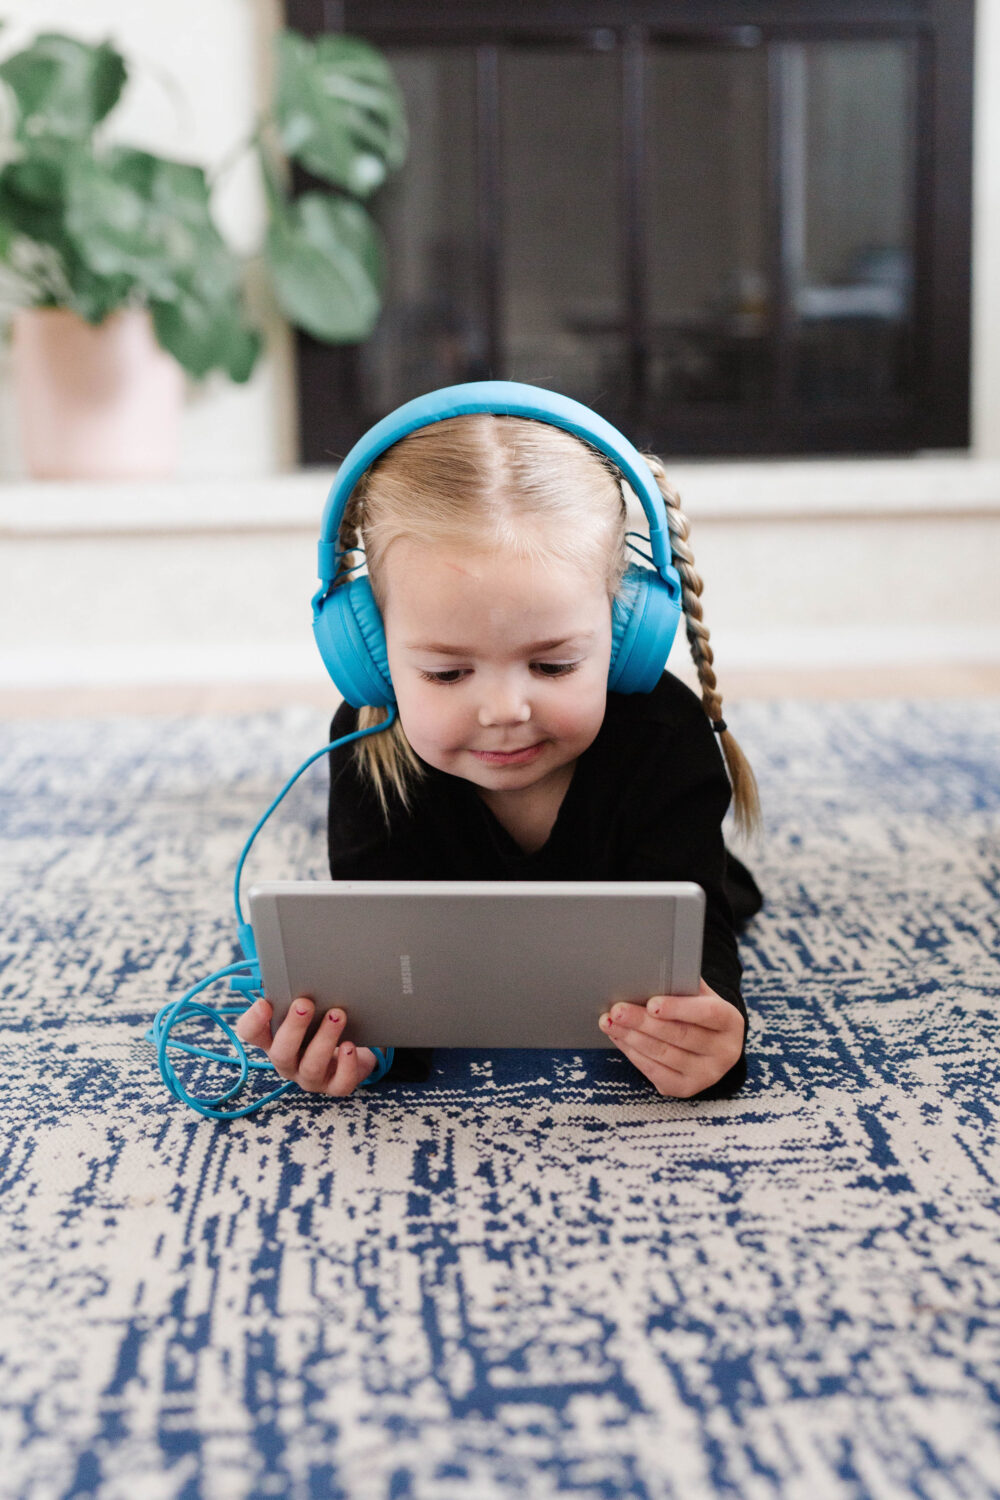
431	332
561	277
706	173
850	216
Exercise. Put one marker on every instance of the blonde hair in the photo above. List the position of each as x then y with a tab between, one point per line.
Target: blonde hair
520	486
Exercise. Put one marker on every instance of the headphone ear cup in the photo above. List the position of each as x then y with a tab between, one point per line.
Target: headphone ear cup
644	620
351	640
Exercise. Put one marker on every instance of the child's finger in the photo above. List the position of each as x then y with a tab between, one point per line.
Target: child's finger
254	1025
638	1020
353	1064
672	1072
627	1014
646	1042
706	1009
284	1050
677	1082
317	1063
659	1054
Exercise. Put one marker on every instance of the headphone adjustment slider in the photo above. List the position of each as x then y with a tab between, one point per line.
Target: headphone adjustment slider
328	560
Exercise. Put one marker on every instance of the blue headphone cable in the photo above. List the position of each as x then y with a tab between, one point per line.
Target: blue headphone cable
245	979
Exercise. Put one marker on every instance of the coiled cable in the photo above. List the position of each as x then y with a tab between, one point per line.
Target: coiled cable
245	979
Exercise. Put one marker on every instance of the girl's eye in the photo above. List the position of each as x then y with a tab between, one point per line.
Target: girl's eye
555	668
455	674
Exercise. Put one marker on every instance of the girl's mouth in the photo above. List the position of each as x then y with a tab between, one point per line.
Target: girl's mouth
510	757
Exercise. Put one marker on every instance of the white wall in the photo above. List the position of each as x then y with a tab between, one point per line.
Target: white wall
199	71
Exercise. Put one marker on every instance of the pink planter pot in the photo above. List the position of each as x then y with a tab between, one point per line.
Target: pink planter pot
95	402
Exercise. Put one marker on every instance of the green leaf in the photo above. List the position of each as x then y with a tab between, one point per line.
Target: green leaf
204	336
138	215
130	227
32	194
339	110
63	87
33	223
95	297
325	258
113	230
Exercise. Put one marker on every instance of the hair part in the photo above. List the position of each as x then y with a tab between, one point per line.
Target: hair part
486	482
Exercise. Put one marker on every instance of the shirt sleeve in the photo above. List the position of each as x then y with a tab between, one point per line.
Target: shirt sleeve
673	804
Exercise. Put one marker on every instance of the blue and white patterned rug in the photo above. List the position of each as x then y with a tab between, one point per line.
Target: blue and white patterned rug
531	1276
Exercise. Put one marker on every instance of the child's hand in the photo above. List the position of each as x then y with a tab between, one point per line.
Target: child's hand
682	1043
322	1067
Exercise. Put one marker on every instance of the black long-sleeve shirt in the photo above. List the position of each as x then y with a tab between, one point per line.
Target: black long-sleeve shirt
646	802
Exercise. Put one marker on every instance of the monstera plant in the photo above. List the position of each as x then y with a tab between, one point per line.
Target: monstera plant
96	229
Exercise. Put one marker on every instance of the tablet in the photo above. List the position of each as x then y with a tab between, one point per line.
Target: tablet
434	963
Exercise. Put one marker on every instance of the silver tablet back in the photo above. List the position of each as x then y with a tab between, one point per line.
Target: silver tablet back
476	963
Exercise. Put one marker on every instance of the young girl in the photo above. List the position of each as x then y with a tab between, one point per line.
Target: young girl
495	546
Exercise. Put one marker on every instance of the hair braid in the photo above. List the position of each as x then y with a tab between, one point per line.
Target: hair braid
746	799
349	536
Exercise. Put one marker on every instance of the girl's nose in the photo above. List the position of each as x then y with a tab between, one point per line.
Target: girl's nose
505	705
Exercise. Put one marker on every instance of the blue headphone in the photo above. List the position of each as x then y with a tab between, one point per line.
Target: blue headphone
346	620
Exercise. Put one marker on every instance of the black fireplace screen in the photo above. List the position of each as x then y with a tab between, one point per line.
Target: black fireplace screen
730	228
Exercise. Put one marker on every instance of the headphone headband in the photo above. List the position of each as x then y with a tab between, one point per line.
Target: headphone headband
503	398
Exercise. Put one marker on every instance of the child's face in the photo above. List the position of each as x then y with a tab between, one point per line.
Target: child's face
500	666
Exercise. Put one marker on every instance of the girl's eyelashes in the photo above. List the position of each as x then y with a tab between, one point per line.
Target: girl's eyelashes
456	674
554	668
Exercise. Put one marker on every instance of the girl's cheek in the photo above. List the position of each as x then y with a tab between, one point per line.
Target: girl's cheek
426	719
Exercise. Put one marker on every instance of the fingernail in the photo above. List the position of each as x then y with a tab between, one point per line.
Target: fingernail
347	1049
618	1012
302	1010
605	1021
335	1016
